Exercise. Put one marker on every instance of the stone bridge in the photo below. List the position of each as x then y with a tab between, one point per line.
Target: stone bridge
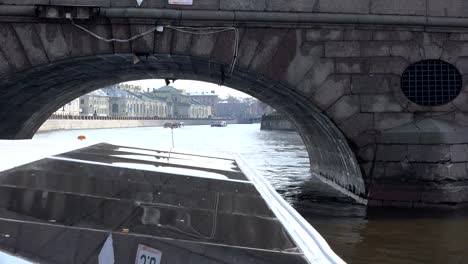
341	70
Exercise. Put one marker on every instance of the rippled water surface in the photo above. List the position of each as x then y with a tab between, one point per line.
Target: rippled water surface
358	235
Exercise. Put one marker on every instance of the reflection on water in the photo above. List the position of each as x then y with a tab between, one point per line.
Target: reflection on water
355	233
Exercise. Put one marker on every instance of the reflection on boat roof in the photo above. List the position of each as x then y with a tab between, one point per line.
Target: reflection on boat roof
172	170
185	156
176	161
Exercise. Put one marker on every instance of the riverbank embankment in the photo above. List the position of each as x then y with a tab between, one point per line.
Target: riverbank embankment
70	124
276	122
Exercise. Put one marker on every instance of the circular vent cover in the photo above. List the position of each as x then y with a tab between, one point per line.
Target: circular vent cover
431	82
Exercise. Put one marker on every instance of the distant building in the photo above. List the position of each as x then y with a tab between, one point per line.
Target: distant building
209	99
95	103
152	107
244	108
125	103
70	109
229	109
258	108
177	100
166	101
129	88
199	110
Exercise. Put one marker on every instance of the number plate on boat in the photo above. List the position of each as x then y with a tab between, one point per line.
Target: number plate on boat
147	255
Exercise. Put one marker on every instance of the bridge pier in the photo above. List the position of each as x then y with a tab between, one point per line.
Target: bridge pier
418	165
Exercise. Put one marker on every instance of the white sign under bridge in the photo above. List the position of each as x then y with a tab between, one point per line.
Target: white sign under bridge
172	2
181	2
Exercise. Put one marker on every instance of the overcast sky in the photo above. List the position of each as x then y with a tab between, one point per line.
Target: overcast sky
191	87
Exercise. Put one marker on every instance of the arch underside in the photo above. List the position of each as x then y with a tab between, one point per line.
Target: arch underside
29	97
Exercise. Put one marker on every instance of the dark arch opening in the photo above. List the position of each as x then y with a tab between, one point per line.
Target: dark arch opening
36	93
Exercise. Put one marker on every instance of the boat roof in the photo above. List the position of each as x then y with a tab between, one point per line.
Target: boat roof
190	207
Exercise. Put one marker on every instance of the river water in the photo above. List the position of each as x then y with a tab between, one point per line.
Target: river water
357	234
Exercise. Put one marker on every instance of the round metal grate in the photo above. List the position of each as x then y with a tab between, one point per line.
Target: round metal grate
431	82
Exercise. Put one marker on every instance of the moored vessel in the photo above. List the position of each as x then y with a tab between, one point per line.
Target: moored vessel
117	202
173	125
219	124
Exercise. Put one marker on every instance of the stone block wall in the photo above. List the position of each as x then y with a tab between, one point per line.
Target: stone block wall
398	143
276	122
447	8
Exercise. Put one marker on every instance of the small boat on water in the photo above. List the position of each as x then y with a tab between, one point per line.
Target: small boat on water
107	203
219	124
173	124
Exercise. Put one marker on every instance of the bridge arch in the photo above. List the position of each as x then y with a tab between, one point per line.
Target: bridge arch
331	157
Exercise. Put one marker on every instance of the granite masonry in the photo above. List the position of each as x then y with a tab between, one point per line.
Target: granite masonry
333	67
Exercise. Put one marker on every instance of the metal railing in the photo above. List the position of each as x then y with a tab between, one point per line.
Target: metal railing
74	117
